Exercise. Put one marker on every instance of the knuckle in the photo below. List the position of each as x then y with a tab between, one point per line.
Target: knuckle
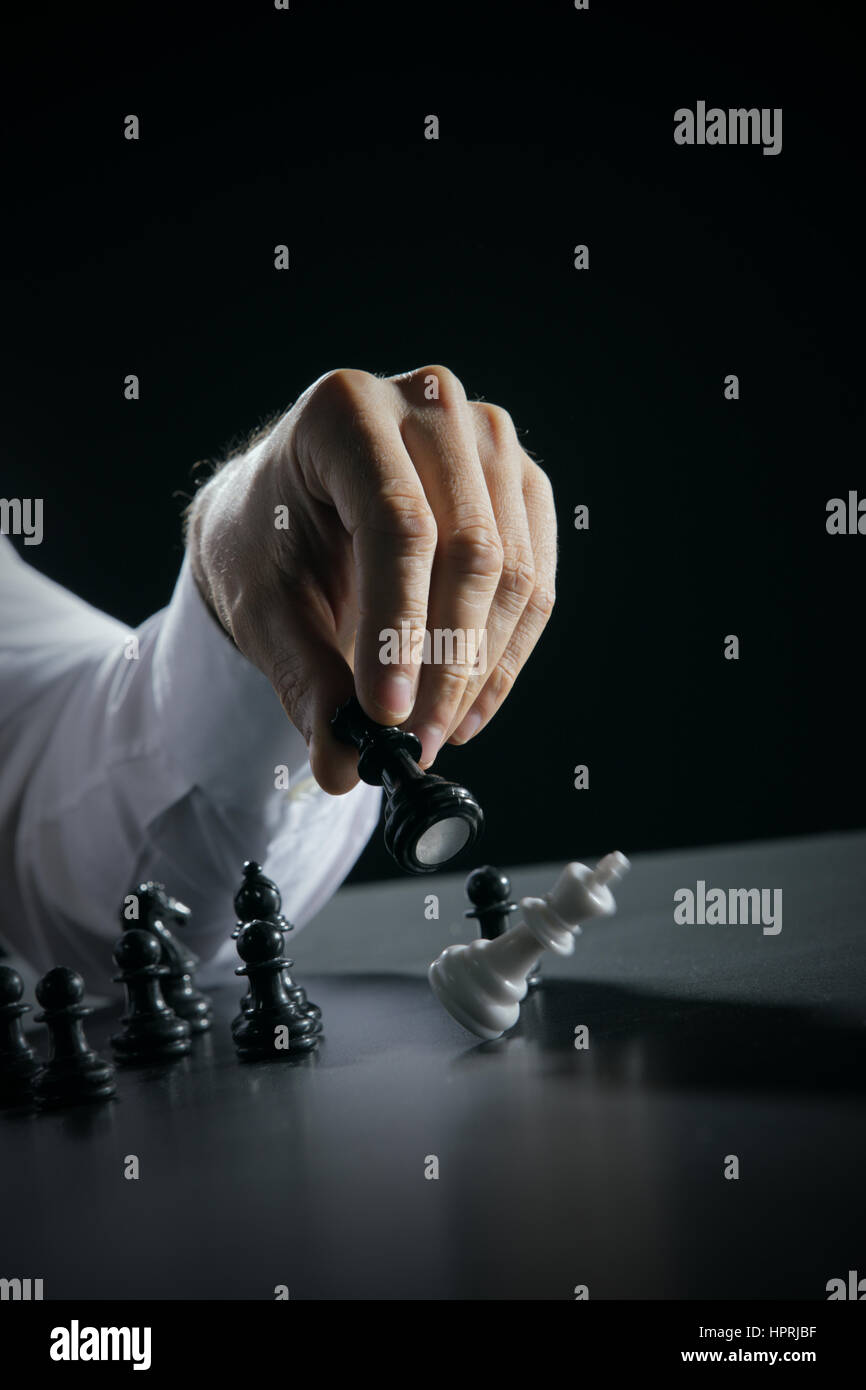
496	423
476	549
414	615
436	385
402	517
502	679
519	576
343	388
541	602
450	687
538	485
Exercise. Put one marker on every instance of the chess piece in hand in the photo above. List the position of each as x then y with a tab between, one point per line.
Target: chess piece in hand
428	820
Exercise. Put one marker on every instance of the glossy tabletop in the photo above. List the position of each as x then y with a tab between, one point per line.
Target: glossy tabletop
558	1166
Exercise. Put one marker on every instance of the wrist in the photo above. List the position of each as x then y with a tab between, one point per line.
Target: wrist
195	549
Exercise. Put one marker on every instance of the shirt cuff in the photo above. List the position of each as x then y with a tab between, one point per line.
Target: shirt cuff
221	721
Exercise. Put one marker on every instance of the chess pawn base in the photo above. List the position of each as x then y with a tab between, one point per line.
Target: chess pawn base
152	1040
483	984
297	994
255	1034
300	1000
75	1081
187	1002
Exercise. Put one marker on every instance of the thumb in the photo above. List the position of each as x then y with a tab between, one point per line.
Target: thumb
301	658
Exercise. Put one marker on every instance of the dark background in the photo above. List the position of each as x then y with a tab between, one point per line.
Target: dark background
707	516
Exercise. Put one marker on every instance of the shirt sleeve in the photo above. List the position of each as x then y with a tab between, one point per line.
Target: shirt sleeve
160	753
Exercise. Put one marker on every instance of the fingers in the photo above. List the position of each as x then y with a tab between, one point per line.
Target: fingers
510	572
367	475
441	440
527	585
453	537
502	461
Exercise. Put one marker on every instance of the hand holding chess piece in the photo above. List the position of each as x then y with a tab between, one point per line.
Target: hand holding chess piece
482	984
409	502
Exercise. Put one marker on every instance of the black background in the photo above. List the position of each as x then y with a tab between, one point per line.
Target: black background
306	127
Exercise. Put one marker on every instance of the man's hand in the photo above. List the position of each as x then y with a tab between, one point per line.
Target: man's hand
372	504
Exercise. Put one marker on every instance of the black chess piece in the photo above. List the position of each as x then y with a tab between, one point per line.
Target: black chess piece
156	902
259	900
255	1031
490	892
19	1064
152	1032
156	910
428	820
74	1073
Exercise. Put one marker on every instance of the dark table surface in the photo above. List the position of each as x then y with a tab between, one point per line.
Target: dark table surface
557	1167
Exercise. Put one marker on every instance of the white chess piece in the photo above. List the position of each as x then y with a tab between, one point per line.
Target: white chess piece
482	984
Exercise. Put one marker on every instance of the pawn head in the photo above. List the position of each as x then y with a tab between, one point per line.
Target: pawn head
60	988
11	985
258	895
260	942
137	949
486	886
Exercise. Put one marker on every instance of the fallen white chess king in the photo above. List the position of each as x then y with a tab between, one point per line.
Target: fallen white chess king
482	984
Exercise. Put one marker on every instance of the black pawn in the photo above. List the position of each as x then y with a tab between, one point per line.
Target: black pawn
259	900
152	1032
18	1062
490	893
260	946
74	1074
428	820
157	909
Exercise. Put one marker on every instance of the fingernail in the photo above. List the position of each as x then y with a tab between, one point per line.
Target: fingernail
469	727
431	736
393	693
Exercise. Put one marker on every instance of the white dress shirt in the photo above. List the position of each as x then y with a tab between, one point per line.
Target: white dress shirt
116	768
